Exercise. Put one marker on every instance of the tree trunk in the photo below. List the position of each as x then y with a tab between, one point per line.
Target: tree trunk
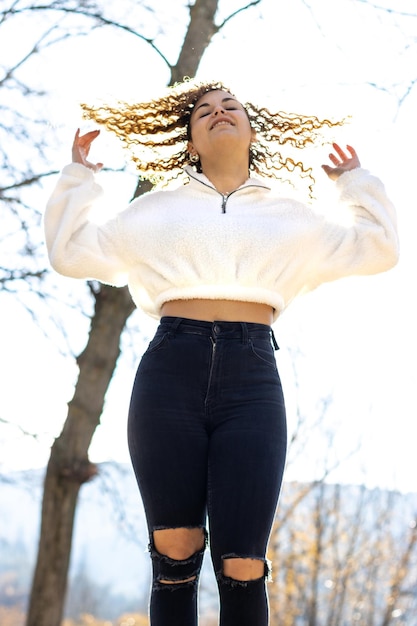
199	34
68	466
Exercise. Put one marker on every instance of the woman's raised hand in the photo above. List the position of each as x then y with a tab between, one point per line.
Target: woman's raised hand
81	148
342	162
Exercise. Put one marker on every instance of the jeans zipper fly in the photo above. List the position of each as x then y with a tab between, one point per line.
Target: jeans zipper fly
213	354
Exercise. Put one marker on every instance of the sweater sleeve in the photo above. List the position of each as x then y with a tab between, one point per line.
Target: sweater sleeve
368	243
77	247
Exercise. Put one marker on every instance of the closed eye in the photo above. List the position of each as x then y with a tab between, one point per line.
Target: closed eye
230	108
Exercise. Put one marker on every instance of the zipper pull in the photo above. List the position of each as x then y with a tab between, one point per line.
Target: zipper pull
224	200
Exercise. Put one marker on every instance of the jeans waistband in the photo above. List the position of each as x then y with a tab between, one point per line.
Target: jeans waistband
218	329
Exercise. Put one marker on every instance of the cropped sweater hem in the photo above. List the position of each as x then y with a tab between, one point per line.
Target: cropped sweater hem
221	292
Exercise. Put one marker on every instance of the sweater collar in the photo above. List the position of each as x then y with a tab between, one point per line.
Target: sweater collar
202	178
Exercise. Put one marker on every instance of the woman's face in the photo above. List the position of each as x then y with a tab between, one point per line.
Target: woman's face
219	122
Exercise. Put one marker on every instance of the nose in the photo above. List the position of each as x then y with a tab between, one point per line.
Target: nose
218	109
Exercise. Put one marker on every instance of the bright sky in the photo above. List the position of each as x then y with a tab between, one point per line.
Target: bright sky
357	337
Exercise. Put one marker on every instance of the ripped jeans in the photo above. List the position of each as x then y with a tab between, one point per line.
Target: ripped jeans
207	438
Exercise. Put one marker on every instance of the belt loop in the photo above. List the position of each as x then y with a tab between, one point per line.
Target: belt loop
274	341
175	324
245	334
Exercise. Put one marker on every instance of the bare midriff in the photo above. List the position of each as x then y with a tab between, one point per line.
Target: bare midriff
219	310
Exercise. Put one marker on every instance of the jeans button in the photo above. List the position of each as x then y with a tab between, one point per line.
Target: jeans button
216	329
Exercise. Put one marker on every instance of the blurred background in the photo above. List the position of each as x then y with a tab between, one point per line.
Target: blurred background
343	544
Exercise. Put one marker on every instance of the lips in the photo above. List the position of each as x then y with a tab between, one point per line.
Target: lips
221	121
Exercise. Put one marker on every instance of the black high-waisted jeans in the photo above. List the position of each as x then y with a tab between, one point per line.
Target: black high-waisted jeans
207	437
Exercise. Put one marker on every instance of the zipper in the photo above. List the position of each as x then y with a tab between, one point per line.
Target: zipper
224	200
226	196
213	354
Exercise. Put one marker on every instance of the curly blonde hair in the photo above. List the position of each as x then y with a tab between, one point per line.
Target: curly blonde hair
156	132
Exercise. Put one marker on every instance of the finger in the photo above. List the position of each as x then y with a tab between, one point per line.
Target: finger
96	167
352	152
76	137
331	172
334	159
92	134
340	152
87	139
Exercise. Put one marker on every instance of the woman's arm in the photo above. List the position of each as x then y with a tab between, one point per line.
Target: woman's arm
368	244
77	247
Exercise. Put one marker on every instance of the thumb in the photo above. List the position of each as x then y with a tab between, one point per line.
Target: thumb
330	171
97	167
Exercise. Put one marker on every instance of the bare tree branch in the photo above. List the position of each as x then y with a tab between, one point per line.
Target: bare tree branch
24	432
378	7
27	181
407	91
102	20
232	15
391	91
34	50
14	275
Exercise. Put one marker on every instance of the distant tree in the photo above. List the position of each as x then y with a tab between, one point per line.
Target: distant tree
401	19
84	596
23	161
343	557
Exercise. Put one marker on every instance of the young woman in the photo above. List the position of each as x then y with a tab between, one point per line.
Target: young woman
217	259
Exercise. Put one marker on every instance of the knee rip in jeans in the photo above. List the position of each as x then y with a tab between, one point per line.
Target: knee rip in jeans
246	571
174	573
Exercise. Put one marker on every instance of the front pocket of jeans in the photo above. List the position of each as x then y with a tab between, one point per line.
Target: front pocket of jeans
158	342
263	351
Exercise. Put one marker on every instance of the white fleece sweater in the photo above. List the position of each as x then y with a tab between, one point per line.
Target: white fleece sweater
192	242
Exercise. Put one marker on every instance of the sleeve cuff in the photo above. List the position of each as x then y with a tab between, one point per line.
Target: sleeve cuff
77	170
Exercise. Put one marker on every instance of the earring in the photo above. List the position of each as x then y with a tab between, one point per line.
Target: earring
194	158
